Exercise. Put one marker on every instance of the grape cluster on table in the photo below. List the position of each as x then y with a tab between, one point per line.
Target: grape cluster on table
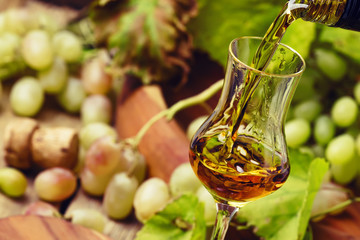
324	121
41	60
330	128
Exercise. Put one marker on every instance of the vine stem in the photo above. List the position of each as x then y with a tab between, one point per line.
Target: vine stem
337	207
194	100
169	113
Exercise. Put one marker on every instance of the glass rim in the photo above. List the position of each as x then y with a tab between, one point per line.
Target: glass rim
295	74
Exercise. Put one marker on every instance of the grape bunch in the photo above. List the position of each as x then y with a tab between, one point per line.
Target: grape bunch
44	59
324	118
41	59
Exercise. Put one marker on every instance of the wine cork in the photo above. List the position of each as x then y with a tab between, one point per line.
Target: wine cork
17	140
55	147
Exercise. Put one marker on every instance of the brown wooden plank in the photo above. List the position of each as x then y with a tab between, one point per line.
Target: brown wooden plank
165	144
44	228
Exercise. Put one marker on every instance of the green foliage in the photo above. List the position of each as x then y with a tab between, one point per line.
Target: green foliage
219	22
285	213
183	219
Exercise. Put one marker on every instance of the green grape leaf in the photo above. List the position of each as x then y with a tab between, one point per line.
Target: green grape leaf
344	41
285	214
300	36
183	219
219	22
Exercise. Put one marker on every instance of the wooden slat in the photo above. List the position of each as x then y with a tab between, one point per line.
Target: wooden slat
165	144
44	228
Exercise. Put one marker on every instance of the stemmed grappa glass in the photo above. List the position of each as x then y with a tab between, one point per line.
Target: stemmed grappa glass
240	153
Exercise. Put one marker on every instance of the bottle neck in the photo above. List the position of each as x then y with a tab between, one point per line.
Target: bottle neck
327	12
334	13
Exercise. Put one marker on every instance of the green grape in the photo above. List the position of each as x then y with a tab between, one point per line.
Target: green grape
346	172
357	92
151	197
26	97
68	46
48	23
344	111
324	129
331	64
89	218
96	108
119	196
183	180
139	170
55	184
54	79
93	131
103	156
309	110
297	132
133	161
12	182
36	49
209	205
94	76
194	126
13	40
19	21
72	96
93	184
9	44
340	149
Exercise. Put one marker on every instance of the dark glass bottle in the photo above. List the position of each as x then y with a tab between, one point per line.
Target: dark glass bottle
334	13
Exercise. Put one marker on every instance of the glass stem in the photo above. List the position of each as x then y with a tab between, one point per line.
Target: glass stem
224	215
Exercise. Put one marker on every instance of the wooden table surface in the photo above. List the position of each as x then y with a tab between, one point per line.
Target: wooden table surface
44	228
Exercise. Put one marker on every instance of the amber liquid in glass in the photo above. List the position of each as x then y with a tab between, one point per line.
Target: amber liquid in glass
251	171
